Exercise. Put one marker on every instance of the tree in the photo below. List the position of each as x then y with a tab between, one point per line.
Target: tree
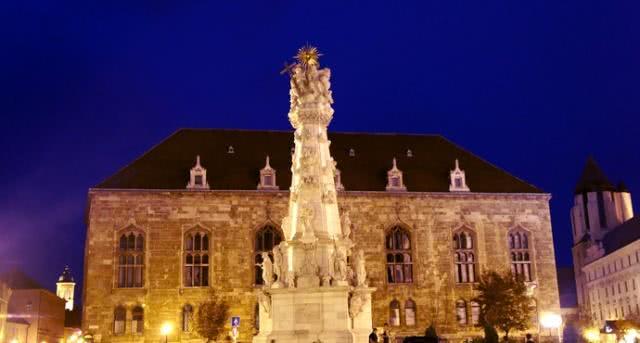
490	334
210	318
504	303
430	334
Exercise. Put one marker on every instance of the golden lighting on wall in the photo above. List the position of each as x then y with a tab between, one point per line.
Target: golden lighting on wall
591	335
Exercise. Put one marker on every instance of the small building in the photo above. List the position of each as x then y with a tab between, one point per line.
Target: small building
35	314
606	251
5	294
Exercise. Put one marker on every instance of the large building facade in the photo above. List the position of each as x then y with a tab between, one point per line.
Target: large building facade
606	250
193	214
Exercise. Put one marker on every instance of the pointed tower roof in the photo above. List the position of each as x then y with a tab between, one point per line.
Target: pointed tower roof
66	275
593	179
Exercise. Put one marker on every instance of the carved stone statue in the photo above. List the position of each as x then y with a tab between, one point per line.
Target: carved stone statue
361	271
306	216
265	302
346	224
339	265
277	266
356	303
286	226
310	265
291	279
267	269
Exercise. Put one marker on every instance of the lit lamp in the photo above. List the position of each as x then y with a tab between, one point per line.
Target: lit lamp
165	330
551	321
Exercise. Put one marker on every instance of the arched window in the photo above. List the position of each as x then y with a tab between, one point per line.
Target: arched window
461	312
137	320
464	257
266	238
410	312
475	313
131	260
119	320
394	313
187	318
399	260
520	255
196	259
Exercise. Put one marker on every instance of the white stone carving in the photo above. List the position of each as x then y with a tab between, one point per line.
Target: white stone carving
267	270
278	267
339	266
345	220
361	270
198	176
265	302
357	301
395	181
458	180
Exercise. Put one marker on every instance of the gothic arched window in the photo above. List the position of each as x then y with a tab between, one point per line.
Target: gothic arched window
266	238
131	260
187	318
461	312
137	320
464	257
410	312
394	313
475	313
119	320
520	255
196	258
399	260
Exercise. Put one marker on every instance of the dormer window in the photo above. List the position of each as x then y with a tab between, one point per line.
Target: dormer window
394	179
268	177
198	176
352	152
458	180
338	180
230	150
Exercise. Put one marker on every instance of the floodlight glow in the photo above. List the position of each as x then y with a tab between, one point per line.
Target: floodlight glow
550	320
630	336
591	335
166	329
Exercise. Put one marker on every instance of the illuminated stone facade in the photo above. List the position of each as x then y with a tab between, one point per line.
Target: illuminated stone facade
233	218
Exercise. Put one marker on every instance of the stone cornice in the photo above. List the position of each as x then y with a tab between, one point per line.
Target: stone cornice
381	194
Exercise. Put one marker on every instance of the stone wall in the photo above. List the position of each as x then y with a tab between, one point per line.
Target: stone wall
234	216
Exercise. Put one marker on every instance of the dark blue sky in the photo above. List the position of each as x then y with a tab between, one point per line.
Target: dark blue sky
87	86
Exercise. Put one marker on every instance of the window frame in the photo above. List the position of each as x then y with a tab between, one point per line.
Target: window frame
256	254
135	260
395	251
190	249
461	255
523	247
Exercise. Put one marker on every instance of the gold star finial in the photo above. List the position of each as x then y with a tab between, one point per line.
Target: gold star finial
308	55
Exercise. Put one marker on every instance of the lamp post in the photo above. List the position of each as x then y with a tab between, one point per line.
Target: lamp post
550	321
165	330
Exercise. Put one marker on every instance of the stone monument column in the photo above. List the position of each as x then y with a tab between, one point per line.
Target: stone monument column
317	296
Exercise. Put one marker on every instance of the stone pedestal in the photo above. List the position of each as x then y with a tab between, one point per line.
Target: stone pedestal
306	315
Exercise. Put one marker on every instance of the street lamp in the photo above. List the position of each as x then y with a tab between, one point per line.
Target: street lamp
550	321
165	330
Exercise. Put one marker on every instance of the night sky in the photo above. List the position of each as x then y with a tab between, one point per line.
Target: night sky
85	87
